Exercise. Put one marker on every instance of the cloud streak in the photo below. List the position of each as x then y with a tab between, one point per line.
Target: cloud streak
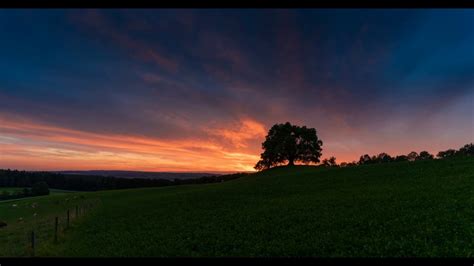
27	141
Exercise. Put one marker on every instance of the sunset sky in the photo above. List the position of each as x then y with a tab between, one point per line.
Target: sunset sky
197	90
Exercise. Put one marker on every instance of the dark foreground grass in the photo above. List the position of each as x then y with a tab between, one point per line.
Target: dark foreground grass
422	209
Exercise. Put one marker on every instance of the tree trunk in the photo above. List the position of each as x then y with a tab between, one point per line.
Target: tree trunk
291	162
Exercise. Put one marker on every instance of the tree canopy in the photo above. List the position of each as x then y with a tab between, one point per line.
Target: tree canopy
331	162
467	149
424	155
287	143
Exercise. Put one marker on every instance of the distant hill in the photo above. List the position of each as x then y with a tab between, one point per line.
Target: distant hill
139	174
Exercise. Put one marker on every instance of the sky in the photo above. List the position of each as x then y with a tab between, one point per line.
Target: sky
197	90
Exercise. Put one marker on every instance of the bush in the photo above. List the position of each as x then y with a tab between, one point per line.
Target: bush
40	188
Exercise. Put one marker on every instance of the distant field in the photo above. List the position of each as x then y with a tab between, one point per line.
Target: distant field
422	209
13	190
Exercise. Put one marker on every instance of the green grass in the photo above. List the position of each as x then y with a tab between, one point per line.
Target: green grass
11	190
60	191
43	206
422	209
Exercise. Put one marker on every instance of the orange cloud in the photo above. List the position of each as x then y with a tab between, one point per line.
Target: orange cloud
239	134
29	145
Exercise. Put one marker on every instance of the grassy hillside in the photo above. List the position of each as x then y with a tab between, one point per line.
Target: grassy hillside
12	190
420	209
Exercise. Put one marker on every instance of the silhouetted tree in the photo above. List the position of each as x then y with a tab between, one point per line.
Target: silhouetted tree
384	158
424	155
365	159
446	153
412	156
325	162
353	163
467	149
400	158
287	143
331	162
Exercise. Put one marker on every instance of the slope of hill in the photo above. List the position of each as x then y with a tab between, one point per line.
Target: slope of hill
421	209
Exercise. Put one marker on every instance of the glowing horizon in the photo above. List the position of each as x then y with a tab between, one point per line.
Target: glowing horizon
50	148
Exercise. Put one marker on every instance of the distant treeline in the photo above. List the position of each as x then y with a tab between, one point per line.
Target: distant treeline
15	178
466	150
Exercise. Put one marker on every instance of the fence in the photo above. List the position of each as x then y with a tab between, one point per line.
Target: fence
23	240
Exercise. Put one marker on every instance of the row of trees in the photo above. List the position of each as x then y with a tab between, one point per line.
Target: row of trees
15	178
466	150
38	189
287	144
385	158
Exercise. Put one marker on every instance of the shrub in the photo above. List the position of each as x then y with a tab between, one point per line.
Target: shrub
40	188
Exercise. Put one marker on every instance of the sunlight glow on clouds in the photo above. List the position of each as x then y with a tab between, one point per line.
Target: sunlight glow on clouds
246	130
47	147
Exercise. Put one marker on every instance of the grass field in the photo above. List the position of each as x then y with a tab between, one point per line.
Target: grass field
12	190
423	209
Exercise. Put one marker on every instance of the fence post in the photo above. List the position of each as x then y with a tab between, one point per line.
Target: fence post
67	225
56	230
32	243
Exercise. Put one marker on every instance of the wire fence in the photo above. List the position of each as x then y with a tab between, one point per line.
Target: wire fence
23	240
